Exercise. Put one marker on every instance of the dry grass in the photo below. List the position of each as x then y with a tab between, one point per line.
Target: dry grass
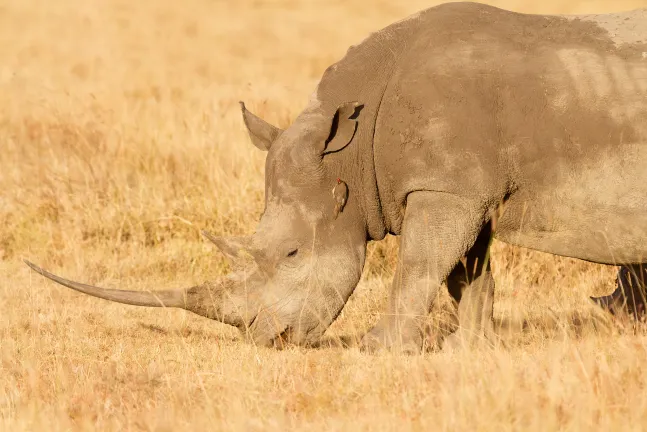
120	138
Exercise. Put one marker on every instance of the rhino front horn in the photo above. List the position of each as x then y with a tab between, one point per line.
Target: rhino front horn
205	300
167	298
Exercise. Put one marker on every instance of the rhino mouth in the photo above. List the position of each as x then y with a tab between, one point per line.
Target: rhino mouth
288	335
283	339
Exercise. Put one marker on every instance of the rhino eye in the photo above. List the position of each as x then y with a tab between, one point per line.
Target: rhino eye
293	253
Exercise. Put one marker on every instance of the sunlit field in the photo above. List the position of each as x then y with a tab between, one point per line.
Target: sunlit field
121	138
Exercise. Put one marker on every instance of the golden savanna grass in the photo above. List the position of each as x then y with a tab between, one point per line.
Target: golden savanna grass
121	138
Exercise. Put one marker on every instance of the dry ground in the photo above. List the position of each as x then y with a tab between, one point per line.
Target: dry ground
120	137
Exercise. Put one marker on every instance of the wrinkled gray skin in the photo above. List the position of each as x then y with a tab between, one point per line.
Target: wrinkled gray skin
462	122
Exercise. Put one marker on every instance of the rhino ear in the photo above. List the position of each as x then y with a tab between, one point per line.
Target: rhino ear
261	132
343	126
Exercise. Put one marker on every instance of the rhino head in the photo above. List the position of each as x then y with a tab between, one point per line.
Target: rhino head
309	246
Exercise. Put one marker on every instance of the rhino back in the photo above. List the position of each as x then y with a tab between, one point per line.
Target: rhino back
548	111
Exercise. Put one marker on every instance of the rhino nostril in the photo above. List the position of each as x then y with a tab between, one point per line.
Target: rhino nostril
293	253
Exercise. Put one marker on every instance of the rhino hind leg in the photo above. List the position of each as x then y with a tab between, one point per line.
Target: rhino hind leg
471	284
629	296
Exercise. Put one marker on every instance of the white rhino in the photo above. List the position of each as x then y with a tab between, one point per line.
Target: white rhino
460	123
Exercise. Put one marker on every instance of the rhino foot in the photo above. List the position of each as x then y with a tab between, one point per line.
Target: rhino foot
463	339
389	336
629	297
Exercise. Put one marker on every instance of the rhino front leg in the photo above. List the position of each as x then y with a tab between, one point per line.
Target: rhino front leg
437	231
471	284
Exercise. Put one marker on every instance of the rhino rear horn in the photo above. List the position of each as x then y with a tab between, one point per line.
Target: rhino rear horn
229	246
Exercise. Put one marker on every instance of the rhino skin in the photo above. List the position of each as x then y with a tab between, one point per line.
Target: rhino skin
461	123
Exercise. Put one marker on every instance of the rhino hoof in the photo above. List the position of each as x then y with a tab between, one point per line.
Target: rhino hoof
377	341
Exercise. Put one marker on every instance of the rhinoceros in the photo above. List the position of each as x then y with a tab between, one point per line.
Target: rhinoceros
457	125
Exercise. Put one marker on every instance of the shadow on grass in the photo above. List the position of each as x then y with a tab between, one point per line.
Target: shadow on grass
188	332
526	330
512	331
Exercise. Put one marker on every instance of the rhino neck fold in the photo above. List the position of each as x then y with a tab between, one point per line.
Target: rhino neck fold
363	75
